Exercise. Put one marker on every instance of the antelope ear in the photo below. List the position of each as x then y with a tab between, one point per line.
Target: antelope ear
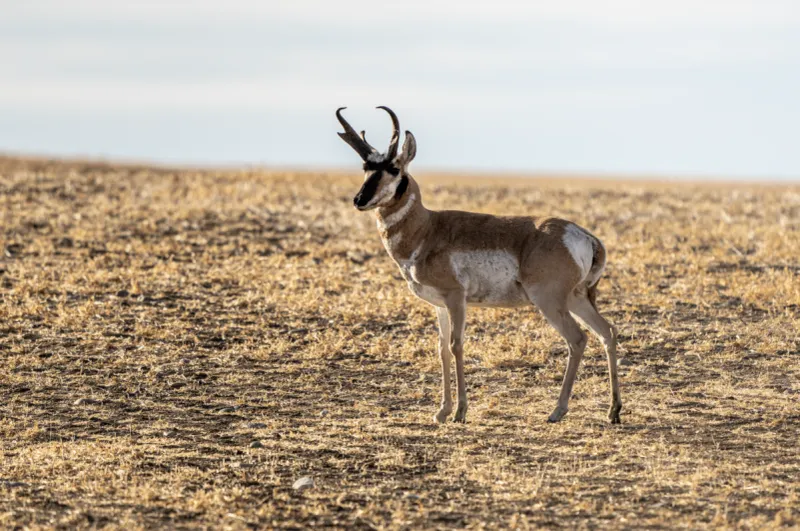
409	149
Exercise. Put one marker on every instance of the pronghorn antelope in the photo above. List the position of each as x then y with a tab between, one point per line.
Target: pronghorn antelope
455	259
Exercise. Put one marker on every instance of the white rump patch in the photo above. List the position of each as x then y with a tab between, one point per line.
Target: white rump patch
579	244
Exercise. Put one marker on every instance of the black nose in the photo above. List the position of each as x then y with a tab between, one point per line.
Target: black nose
358	202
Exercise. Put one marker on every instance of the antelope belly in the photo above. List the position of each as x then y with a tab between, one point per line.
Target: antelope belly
489	277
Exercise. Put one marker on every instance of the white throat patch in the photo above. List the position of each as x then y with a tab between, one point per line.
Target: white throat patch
394	218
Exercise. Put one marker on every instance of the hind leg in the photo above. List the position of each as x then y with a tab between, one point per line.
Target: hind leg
582	307
553	305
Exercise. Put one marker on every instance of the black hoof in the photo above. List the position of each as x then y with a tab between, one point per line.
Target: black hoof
613	415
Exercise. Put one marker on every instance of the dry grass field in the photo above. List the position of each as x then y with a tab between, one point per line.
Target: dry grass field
177	347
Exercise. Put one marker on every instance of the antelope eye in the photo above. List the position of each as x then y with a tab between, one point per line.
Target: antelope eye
386	166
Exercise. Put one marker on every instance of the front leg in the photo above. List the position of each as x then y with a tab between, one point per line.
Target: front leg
456	310
444	354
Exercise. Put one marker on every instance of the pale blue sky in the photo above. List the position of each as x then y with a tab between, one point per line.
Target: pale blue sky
686	87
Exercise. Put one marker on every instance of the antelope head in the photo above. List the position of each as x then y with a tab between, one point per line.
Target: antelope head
385	174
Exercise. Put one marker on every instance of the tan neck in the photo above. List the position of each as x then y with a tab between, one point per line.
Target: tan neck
404	225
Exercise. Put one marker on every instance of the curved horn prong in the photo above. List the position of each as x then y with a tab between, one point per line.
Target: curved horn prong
391	153
358	143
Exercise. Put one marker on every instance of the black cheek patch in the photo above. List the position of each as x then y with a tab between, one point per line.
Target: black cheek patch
401	188
368	189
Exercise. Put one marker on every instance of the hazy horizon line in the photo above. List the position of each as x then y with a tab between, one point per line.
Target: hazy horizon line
476	172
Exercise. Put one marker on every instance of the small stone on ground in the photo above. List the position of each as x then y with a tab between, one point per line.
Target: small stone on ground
305	482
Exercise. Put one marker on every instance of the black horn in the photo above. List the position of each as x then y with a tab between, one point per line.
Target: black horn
355	141
391	153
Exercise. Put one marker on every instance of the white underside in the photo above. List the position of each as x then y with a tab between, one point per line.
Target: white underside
488	277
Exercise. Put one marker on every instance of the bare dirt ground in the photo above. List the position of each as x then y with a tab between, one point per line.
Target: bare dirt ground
177	347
